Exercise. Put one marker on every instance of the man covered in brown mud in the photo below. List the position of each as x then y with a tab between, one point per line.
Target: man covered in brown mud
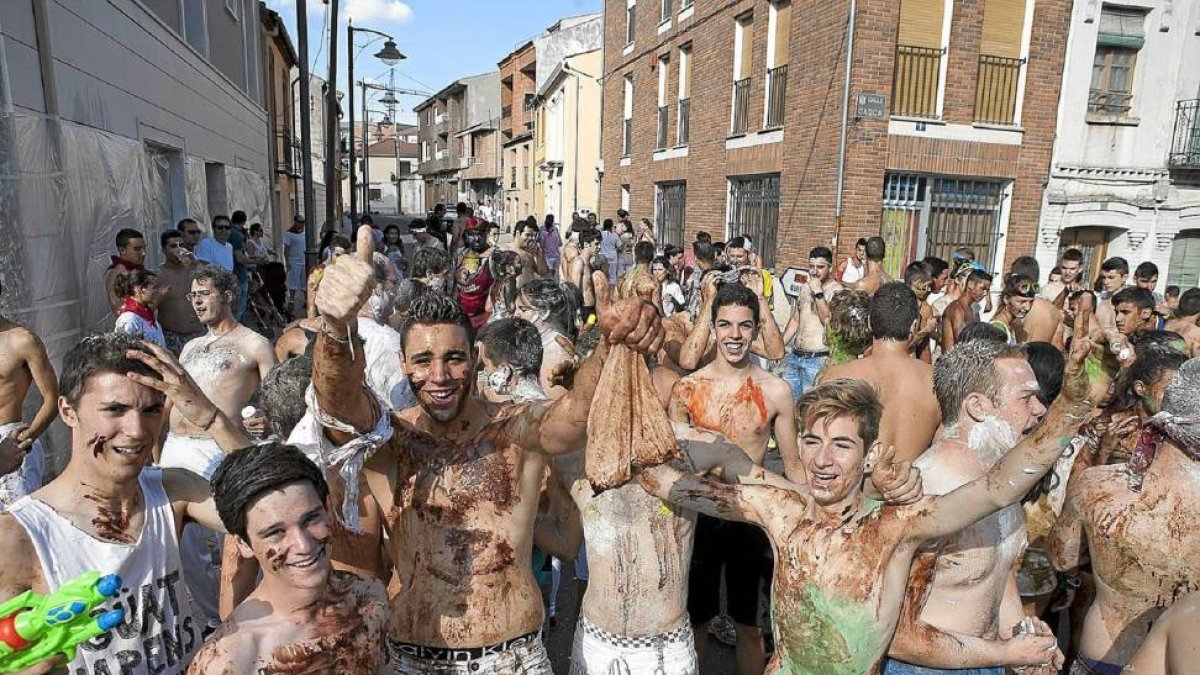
903	383
111	513
458	488
962	608
842	559
304	617
748	405
1139	522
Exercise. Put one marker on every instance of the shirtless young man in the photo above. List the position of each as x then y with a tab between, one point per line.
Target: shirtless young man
1114	276
1016	297
304	616
903	384
1171	648
1042	320
175	312
1187	320
1139	523
962	608
804	334
918	276
108	512
227	364
131	254
874	276
527	243
748	405
459	488
578	270
700	346
24	362
962	311
1070	266
842	559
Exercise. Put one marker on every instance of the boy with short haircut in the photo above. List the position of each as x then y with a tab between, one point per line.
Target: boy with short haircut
303	614
1133	311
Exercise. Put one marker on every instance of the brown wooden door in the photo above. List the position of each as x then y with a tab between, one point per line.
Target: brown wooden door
1092	242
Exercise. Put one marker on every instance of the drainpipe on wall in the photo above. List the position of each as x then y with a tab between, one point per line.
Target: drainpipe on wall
841	172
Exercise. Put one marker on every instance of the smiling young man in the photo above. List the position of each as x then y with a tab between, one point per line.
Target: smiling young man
1016	299
304	616
748	405
459	487
108	512
842	559
175	311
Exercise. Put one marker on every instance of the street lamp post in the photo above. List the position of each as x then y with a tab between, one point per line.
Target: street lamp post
366	160
390	55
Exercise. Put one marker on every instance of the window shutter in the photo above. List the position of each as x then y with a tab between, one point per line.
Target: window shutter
921	23
1003	23
1121	27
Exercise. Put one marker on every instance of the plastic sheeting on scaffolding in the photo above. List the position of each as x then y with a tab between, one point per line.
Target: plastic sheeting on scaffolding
65	192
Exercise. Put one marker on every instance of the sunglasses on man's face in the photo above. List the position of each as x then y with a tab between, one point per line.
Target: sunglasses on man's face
193	232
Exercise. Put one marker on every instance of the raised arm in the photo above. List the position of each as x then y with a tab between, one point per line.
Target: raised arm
561	426
339	365
769	343
1023	466
709	451
697	343
743	503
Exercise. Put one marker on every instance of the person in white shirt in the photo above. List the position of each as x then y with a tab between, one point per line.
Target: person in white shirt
293	252
139	292
216	250
854	267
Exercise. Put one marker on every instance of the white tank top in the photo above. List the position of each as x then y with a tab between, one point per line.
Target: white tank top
159	634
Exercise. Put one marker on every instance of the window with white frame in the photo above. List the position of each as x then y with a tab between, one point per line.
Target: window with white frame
627	117
743	44
664	62
1122	35
683	113
666	10
779	35
195	26
630	21
625	197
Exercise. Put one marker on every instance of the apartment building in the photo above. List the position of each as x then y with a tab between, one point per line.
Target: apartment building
517	72
279	60
456	125
567	137
730	118
1125	179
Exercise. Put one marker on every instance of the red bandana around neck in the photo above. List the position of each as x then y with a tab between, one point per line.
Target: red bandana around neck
131	305
118	261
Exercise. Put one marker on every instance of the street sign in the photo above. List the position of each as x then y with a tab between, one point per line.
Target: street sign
870	106
793	279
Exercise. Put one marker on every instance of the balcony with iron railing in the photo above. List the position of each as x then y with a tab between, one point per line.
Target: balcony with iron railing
915	81
741	106
996	90
287	154
776	96
664	115
683	122
627	137
1185	141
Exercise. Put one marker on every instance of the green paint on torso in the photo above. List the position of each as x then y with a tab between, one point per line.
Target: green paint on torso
828	635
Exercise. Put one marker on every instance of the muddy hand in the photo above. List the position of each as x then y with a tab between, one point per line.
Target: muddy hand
633	322
179	387
603	291
348	282
898	482
11	455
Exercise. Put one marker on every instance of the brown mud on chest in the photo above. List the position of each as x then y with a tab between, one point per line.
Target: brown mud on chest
111	524
345	634
448	481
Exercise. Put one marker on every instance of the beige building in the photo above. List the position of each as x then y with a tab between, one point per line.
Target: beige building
567	137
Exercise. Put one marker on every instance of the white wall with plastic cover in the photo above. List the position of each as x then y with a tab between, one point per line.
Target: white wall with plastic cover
65	191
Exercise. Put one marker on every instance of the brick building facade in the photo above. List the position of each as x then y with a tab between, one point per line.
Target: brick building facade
518	71
727	117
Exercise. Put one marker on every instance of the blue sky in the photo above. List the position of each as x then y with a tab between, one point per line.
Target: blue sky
442	39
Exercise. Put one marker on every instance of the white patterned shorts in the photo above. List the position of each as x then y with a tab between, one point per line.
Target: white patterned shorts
599	652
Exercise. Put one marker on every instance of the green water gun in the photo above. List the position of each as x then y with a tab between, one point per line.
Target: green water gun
35	627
